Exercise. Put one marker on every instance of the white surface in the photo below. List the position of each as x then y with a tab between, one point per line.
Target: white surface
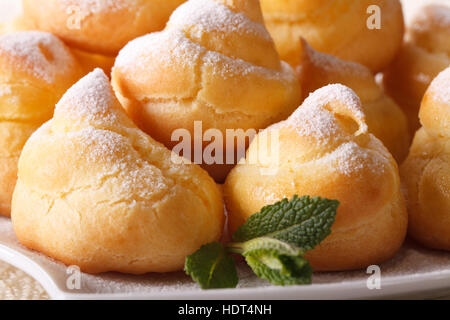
414	270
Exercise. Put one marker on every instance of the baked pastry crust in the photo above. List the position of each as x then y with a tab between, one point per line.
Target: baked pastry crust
98	29
325	150
384	117
36	68
105	196
337	27
215	62
99	26
426	171
424	55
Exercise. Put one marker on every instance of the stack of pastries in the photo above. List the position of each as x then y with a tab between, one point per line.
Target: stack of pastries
101	184
425	53
97	30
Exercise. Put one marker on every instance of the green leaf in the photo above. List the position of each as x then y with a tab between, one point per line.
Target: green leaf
277	261
303	222
212	267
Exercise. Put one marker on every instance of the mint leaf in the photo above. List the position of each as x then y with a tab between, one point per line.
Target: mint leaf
277	261
212	267
303	222
272	242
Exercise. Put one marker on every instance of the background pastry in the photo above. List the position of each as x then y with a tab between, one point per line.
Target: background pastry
425	53
36	68
98	27
324	149
337	27
426	171
215	62
384	117
96	192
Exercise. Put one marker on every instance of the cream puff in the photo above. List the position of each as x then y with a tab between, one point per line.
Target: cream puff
369	32
95	191
324	149
36	68
98	29
215	63
384	117
425	53
426	171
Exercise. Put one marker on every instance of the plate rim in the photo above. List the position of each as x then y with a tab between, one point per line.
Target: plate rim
391	286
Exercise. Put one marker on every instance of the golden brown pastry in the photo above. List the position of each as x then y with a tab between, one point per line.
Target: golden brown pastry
100	26
216	63
426	171
384	117
98	29
324	149
89	61
425	53
36	68
96	192
337	27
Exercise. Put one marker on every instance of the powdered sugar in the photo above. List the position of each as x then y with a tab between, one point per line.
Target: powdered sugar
112	153
228	67
91	103
334	64
89	99
87	7
315	120
40	53
165	48
207	16
440	87
349	158
173	48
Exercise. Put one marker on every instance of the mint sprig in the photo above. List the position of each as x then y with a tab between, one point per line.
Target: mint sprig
304	222
276	261
212	267
273	243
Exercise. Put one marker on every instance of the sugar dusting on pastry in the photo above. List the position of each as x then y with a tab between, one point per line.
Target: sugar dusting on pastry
313	119
230	68
39	52
139	52
89	99
349	157
94	6
206	16
334	64
90	102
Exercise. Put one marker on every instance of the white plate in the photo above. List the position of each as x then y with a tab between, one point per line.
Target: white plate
413	273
